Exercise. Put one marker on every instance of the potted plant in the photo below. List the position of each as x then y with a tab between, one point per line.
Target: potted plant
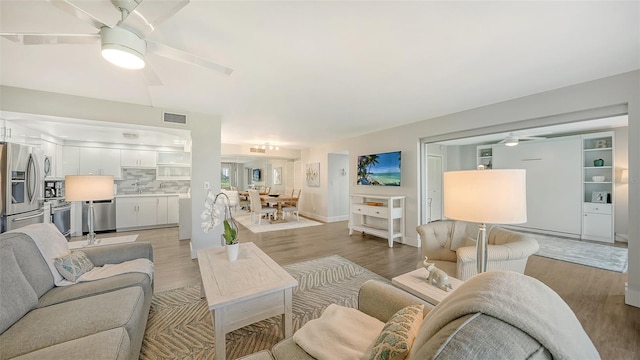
217	212
231	240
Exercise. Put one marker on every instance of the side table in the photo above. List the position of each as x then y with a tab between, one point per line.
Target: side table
415	282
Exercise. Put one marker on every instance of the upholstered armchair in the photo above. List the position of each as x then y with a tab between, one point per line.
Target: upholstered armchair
451	245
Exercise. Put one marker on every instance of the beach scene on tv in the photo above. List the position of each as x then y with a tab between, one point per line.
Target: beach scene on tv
379	169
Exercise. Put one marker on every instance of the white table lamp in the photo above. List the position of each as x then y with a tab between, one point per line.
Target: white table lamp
89	188
486	196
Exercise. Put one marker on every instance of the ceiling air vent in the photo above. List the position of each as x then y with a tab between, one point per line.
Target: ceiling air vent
257	150
173	118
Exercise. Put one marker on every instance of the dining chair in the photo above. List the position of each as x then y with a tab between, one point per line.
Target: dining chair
234	199
257	208
292	206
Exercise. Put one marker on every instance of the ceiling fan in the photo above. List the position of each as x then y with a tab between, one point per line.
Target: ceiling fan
122	29
513	140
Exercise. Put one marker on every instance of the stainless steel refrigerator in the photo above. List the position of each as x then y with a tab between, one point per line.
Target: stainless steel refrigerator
20	184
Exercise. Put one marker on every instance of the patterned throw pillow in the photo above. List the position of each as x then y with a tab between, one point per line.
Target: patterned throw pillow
72	266
398	334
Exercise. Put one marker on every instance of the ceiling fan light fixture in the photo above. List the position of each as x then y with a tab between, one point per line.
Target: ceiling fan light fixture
122	48
511	141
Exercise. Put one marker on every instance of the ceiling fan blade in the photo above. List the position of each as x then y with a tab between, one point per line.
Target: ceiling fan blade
532	137
185	57
146	17
52	39
151	75
81	14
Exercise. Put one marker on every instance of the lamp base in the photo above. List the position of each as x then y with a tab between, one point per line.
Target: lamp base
481	248
91	236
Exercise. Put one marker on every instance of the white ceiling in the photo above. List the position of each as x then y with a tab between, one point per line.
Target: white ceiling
307	73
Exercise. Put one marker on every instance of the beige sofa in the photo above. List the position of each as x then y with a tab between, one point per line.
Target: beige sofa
101	319
451	246
523	319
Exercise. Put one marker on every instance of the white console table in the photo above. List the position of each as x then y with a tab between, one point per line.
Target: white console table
378	215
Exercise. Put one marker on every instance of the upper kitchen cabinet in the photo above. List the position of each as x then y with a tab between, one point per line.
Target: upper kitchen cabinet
173	166
11	131
138	158
70	160
87	160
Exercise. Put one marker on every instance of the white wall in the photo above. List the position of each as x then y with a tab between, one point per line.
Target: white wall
338	188
599	98
621	161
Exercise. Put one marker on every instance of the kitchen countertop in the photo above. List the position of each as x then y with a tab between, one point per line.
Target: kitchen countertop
145	195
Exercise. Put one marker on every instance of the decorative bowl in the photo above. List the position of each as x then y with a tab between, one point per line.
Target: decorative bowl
598	178
274	195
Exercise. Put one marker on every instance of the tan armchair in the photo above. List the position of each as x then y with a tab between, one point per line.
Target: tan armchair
451	246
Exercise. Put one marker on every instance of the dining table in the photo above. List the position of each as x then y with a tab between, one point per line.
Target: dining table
279	200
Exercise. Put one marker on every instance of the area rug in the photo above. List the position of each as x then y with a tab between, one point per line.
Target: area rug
600	256
180	325
292	223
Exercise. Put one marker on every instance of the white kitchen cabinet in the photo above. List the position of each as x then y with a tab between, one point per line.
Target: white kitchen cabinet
172	209
136	212
162	210
59	170
383	217
173	166
146	211
100	161
70	160
11	131
138	158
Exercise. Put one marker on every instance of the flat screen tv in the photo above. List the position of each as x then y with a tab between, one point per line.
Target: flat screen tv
257	175
379	169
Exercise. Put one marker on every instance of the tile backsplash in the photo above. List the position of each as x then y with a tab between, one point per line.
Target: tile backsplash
147	183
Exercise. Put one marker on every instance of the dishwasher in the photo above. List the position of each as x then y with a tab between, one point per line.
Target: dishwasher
105	215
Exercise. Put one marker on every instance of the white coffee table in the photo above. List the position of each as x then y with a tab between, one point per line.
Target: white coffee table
415	282
241	292
73	245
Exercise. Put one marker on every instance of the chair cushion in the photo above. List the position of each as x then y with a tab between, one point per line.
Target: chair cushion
112	344
398	334
71	320
81	290
17	296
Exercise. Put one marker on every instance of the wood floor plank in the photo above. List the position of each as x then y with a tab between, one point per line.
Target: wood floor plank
596	296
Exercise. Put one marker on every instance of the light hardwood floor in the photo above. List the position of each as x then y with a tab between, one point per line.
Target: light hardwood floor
596	296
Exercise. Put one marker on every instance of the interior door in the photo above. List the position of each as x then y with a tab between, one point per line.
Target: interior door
434	188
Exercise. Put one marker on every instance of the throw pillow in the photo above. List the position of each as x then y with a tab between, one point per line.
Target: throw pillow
398	334
72	266
17	297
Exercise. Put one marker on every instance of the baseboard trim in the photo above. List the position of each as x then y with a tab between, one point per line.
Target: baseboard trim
622	237
631	296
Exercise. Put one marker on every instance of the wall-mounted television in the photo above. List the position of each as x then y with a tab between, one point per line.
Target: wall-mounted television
257	175
379	169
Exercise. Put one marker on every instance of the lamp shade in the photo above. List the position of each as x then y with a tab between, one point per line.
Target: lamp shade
88	187
486	196
624	177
